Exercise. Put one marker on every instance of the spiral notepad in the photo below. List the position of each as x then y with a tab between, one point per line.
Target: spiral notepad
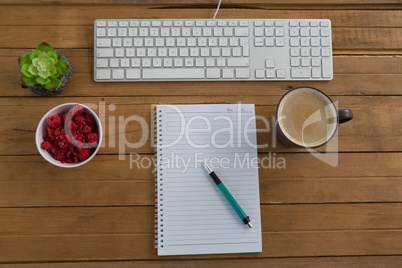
193	216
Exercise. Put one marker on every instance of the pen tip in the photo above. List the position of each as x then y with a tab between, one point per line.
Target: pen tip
249	225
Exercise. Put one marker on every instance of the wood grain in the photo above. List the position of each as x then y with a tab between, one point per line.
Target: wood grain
372	129
137	220
101	214
87	14
141	246
376	178
321	262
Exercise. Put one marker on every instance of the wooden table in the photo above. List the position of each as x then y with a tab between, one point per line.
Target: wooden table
102	214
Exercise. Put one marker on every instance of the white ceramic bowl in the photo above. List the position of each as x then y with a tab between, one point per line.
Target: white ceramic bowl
42	128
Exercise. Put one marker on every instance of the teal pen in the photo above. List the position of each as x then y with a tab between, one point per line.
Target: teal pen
229	197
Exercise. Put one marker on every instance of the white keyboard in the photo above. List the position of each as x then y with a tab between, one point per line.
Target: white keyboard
206	49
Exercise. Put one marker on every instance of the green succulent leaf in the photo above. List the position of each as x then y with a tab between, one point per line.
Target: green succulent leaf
44	47
25	59
33	70
42	81
28	81
63	66
58	73
53	84
24	70
34	54
53	55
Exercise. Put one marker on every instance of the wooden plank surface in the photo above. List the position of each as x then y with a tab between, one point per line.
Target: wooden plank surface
370	131
101	214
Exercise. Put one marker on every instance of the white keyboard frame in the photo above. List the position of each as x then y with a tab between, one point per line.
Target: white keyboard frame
280	55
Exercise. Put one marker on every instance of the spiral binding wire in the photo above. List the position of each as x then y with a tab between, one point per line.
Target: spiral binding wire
158	179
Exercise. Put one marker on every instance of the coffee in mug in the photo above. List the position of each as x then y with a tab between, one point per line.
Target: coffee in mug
307	117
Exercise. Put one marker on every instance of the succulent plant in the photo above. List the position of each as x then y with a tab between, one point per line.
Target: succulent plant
42	66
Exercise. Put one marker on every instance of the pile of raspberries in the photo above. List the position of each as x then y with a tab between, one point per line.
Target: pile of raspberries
71	137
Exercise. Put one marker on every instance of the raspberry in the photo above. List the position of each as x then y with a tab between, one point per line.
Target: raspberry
89	119
86	129
77	110
54	121
66	117
72	125
59	131
92	137
50	133
79	120
46	145
59	156
84	154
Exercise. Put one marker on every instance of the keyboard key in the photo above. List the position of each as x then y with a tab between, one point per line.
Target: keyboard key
156	23
259	32
210	62
118	74
241	31
178	62
305	52
189	23
305	62
119	52
315	42
279	32
316	72
294	51
314	32
228	73
104	52
269	31
242	73
111	32
259	73
167	62
269	42
294	42
243	23
258	23
314	23
167	23
102	63
189	62
238	62
100	23
280	73
116	42
100	32
146	62
221	62
325	32
104	42
218	32
134	23
199	62
269	63
324	23
122	32
293	32
325	52
270	73
114	63
135	63
103	74
157	62
300	72
315	52
315	62
279	23
326	67
325	42
125	63
222	23
213	73
112	23
303	23
127	42
145	23
280	42
294	62
258	42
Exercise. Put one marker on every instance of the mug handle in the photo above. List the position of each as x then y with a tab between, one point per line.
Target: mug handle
345	115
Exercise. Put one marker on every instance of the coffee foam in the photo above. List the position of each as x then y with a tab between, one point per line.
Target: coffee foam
307	117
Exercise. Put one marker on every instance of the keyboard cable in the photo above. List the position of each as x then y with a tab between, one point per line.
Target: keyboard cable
217	9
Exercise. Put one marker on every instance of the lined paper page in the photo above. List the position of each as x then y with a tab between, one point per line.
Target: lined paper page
196	217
